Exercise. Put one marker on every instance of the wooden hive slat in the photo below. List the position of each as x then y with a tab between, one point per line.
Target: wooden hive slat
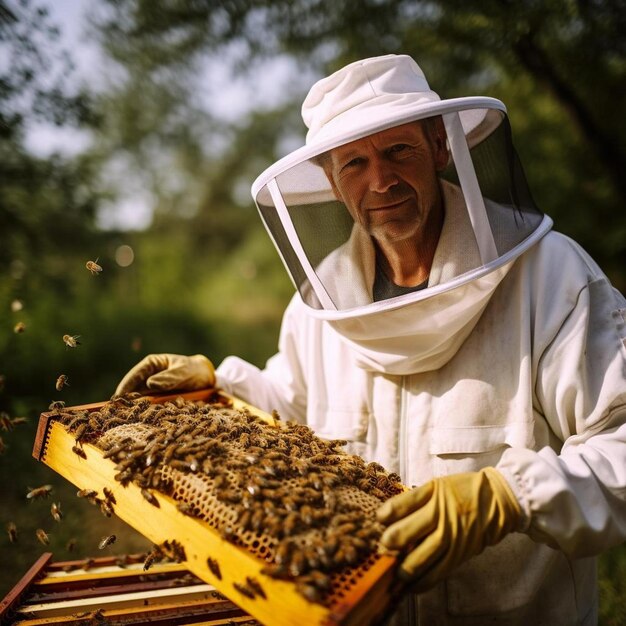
187	602
283	605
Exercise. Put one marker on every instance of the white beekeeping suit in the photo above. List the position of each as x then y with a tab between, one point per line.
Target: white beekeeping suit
510	355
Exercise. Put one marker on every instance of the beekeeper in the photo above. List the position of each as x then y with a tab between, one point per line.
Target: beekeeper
444	330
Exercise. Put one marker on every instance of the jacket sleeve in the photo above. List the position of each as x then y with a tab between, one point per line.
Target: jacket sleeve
281	386
574	493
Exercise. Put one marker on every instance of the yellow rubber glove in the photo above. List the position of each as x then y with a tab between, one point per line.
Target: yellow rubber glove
446	522
168	372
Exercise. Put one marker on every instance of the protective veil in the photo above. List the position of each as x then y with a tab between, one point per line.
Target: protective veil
307	201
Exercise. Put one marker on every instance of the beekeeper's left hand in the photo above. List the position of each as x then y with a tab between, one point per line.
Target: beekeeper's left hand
446	521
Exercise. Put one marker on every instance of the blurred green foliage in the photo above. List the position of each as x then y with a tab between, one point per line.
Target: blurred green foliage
205	276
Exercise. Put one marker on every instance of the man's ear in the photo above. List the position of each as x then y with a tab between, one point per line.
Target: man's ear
439	142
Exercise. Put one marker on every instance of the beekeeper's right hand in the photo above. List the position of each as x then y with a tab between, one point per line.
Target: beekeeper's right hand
168	372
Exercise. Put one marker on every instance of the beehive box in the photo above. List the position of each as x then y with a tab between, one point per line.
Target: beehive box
278	520
116	590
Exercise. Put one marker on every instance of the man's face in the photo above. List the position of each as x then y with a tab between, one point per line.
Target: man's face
388	180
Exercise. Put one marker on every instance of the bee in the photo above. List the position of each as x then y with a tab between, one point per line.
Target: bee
55	511
150	497
298	565
79	451
310	592
71	341
81	431
121	561
106	541
2	446
39	492
106	508
276	571
57	405
86	493
19	328
87	564
93	267
318	579
93	617
109	496
79	418
6	423
244	590
42	536
214	566
283	553
255	586
12	532
121	399
16	421
61	382
185	508
150	559
70	545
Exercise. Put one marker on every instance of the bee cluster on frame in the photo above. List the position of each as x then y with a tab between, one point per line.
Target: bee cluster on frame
301	503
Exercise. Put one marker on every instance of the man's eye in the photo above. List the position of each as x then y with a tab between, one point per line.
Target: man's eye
352	163
399	147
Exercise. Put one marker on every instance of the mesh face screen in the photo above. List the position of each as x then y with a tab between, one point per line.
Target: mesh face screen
395	188
299	503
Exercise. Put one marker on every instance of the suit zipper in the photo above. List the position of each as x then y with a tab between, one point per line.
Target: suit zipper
403	462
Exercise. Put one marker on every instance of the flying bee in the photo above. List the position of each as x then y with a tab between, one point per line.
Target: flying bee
61	382
12	532
6	423
16	421
42	536
71	341
106	541
39	492
93	267
55	511
70	545
19	328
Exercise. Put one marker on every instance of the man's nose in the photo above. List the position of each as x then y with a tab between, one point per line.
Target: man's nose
381	176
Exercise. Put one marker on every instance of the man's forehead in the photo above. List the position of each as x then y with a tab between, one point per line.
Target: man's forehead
411	130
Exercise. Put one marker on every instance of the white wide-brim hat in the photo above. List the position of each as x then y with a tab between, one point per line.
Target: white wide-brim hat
385	91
